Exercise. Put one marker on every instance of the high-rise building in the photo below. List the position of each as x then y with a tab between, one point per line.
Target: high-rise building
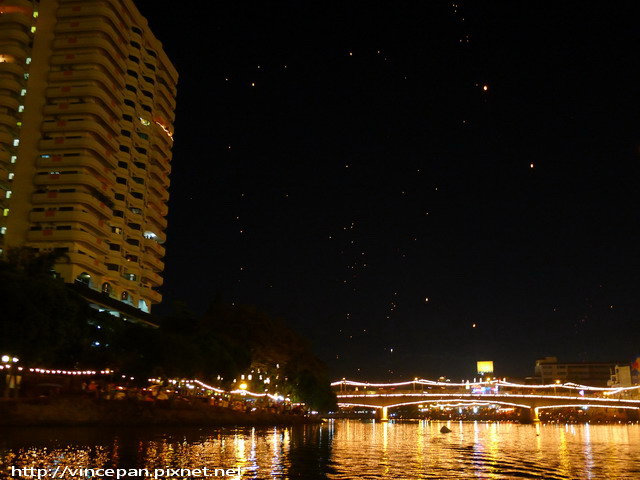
87	100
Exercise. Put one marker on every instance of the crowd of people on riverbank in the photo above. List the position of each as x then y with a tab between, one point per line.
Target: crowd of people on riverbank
154	395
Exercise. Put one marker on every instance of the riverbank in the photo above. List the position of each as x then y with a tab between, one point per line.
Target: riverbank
81	411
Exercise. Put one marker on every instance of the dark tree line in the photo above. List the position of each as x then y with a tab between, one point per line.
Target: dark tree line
45	323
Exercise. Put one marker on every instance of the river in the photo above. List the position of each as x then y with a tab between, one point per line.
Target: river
338	449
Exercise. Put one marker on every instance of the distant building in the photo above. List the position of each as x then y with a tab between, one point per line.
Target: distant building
621	376
596	374
87	100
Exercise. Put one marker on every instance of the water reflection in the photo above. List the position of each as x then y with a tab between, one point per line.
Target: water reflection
342	450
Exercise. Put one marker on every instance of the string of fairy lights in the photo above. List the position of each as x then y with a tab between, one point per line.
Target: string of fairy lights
485	383
189	384
195	383
442	399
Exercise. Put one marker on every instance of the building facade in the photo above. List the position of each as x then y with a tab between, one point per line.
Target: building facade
596	374
87	101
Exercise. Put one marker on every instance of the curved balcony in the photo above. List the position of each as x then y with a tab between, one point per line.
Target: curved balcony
83	140
50	198
131	286
117	222
86	218
85	159
168	105
20	52
17	34
4	171
15	69
91	105
96	74
73	236
146	71
168	77
65	126
119	204
85	42
89	25
148	293
93	265
11	84
8	120
160	236
114	257
152	262
121	189
25	5
164	91
158	205
163	109
159	175
151	277
156	218
139	157
161	162
5	156
87	58
146	104
136	37
130	232
9	102
6	137
137	171
102	92
92	10
170	87
71	179
19	18
131	267
135	202
151	244
129	95
124	140
158	190
99	109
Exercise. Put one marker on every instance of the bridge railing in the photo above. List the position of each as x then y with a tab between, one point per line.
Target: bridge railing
493	387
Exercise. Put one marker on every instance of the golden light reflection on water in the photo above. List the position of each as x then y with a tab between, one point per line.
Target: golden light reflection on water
347	450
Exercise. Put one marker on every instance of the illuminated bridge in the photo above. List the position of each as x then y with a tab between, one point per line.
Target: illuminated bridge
530	398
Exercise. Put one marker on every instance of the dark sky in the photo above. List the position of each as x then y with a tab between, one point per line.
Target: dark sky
340	164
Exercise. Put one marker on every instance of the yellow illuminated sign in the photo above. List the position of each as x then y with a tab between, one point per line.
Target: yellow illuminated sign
485	367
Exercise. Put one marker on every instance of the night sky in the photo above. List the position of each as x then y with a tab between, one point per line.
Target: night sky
414	186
